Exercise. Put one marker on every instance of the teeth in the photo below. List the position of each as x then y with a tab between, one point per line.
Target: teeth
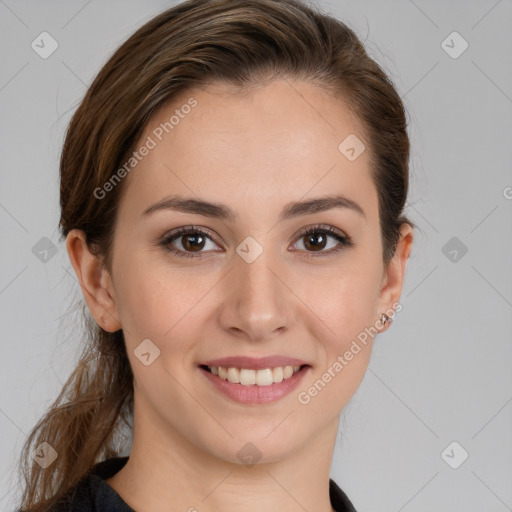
247	377
277	374
264	377
234	375
287	372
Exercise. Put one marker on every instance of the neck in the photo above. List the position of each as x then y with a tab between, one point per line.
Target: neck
166	472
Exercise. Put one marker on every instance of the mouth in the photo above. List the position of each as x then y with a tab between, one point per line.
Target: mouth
252	376
254	386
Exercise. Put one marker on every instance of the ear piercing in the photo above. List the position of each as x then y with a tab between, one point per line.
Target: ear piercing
385	318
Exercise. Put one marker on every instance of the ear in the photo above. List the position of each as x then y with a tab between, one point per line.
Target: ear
393	278
94	280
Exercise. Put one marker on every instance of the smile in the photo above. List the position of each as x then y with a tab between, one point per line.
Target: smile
249	377
250	386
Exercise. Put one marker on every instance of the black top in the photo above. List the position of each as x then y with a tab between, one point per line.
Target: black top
94	494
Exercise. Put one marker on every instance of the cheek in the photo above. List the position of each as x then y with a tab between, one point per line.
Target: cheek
349	314
166	306
348	307
150	297
347	304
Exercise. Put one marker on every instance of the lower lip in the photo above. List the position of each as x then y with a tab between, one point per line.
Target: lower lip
256	394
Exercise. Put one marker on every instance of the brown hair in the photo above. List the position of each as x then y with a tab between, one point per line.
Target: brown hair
236	42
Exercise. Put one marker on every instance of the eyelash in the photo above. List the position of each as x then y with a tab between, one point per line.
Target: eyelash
344	241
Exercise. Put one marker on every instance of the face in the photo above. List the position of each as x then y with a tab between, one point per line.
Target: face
253	276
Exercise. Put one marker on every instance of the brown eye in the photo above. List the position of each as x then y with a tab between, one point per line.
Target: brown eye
316	240
193	241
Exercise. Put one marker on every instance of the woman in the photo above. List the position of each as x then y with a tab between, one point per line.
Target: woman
232	194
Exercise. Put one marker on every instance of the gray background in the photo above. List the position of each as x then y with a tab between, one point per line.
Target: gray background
442	373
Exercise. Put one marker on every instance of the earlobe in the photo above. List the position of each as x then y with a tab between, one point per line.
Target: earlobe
395	273
94	281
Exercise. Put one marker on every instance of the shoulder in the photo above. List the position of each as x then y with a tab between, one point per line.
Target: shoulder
339	500
93	493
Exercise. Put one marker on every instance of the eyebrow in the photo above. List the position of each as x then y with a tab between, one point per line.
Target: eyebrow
223	212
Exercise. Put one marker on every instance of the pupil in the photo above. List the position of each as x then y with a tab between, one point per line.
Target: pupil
194	237
313	237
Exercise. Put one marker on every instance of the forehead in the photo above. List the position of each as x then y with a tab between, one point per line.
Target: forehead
278	143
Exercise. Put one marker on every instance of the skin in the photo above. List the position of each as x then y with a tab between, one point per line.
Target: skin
255	154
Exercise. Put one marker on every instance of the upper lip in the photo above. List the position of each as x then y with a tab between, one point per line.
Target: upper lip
254	363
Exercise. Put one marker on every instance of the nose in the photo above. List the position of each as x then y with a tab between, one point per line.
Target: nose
257	303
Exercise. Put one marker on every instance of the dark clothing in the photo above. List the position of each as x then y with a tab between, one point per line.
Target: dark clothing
94	494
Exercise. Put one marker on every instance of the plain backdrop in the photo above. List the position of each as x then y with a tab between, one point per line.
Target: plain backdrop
438	389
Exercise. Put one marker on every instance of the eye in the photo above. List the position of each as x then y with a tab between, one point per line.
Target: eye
317	239
193	239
